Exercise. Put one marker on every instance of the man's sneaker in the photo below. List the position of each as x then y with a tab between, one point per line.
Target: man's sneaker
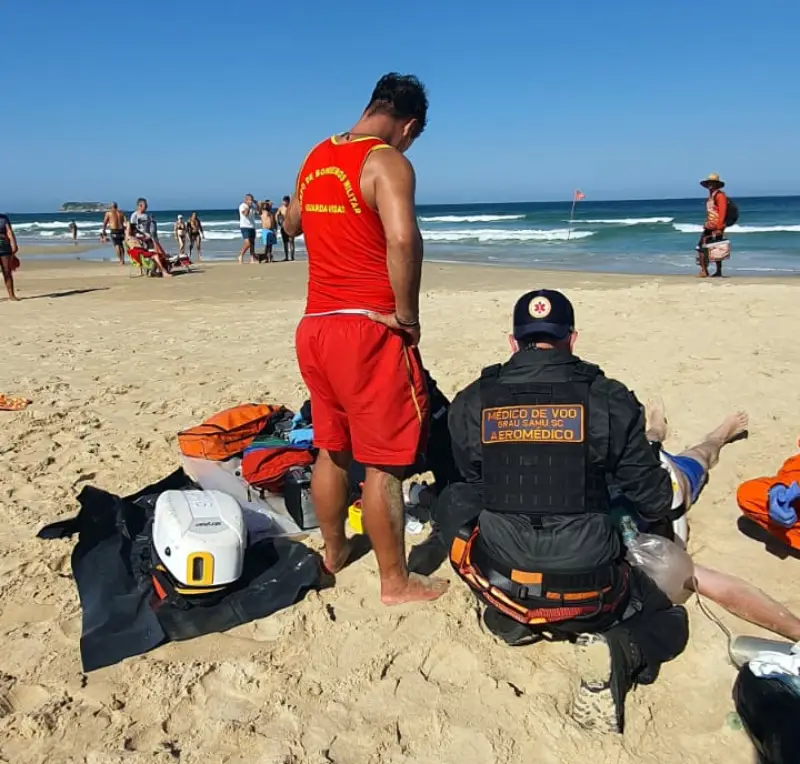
593	706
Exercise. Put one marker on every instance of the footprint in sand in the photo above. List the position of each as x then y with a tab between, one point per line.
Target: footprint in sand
22	699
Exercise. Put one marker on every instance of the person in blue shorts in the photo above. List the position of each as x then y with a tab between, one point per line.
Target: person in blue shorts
689	472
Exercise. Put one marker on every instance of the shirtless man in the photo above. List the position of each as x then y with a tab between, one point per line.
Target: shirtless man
689	471
73	229
195	235
114	221
288	241
179	231
268	228
365	265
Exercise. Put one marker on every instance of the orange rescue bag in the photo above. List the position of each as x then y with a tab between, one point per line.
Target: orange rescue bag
227	433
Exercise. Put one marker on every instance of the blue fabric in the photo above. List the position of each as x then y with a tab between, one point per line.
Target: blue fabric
781	498
303	436
248	234
692	470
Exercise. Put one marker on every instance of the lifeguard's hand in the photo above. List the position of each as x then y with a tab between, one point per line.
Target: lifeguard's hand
412	332
781	498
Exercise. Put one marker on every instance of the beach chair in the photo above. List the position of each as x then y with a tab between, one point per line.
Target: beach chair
180	261
140	258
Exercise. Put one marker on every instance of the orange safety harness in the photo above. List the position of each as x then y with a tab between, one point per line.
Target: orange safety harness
507	590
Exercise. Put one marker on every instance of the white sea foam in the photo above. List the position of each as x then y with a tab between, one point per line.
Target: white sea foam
628	221
486	235
469	218
692	228
219	235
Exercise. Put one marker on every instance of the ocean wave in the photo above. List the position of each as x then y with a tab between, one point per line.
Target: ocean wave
469	218
627	221
220	235
496	234
692	228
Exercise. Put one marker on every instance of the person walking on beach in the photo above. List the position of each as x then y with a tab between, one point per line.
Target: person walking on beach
73	229
714	228
357	342
247	225
288	241
114	222
195	235
268	228
8	255
179	232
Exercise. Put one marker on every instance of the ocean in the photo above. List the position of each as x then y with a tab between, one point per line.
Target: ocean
655	237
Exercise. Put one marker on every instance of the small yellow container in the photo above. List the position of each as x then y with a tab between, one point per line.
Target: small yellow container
354	517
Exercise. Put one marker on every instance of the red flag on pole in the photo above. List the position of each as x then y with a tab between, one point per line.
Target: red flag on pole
579	196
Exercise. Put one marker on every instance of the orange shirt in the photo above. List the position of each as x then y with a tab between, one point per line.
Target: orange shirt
716	210
344	236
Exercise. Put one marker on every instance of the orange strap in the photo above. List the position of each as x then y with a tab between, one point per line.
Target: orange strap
460	558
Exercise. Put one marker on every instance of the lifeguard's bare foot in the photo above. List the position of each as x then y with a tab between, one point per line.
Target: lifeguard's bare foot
656	420
336	560
416	589
733	427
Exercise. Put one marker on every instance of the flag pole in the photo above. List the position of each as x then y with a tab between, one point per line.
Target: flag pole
571	216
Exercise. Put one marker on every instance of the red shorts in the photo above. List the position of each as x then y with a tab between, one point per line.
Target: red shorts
368	391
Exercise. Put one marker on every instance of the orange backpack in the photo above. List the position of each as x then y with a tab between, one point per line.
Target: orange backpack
226	434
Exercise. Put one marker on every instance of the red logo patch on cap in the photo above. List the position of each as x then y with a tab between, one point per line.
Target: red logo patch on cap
540	307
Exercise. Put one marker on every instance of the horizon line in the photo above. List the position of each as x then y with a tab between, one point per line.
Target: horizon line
568	201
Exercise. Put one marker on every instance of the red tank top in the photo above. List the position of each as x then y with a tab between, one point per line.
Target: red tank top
343	236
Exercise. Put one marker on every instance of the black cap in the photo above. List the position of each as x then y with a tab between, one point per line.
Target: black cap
543	311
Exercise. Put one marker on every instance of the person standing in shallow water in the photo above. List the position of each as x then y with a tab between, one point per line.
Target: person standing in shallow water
288	241
8	255
195	235
73	229
714	228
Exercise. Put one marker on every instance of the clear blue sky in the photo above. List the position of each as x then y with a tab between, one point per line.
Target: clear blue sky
198	102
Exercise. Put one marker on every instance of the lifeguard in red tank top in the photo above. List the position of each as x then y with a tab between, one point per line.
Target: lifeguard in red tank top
344	237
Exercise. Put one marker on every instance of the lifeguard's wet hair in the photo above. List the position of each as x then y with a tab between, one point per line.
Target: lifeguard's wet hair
401	96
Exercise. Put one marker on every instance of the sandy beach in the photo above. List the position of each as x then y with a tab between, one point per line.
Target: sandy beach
116	366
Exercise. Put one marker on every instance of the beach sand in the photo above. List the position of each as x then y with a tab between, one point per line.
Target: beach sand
116	366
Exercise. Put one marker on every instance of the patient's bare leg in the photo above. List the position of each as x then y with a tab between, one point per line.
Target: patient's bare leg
707	452
746	601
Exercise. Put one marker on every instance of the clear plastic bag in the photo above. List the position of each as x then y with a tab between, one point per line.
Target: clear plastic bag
666	562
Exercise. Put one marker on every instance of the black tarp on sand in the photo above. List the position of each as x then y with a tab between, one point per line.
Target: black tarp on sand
111	562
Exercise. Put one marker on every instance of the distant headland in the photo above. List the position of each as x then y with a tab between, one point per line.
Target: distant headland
83	207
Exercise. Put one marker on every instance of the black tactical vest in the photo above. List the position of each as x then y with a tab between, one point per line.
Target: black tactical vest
535	443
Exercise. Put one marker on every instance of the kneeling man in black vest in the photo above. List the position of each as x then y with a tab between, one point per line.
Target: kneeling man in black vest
538	441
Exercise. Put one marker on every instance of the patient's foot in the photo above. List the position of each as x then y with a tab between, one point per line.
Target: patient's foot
656	421
731	429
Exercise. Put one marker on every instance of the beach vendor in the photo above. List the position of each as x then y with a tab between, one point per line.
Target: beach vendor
537	440
714	227
357	342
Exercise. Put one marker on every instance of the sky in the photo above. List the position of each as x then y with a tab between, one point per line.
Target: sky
195	103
